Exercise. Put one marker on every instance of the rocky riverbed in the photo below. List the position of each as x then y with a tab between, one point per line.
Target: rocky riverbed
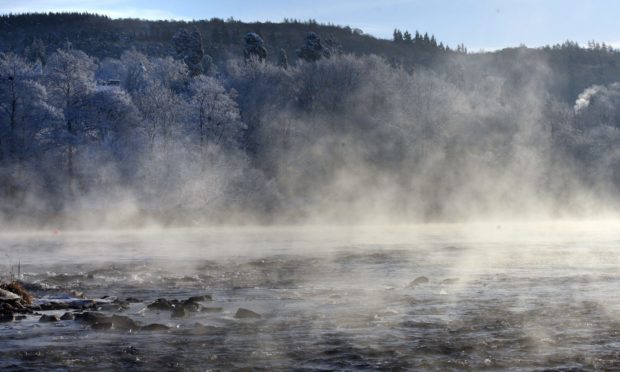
438	298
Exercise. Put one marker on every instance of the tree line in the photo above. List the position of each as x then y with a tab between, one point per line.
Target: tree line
331	136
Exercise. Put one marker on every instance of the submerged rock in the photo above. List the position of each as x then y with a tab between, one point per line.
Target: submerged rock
201	329
155	327
246	314
161	304
132	350
102	326
49	318
47	306
419	280
179	312
211	309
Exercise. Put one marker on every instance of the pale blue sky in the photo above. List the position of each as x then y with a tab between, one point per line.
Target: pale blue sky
488	24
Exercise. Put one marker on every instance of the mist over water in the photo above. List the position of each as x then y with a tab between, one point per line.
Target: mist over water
498	296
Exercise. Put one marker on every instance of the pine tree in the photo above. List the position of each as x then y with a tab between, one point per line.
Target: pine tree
407	37
398	36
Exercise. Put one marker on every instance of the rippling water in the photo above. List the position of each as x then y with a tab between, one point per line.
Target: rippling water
517	296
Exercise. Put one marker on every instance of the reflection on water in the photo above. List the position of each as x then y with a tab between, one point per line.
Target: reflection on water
498	296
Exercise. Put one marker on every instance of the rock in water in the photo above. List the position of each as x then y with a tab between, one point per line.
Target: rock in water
49	318
6	318
211	309
8	295
246	314
18	289
67	316
161	304
200	298
124	323
90	317
191	306
201	329
419	280
155	327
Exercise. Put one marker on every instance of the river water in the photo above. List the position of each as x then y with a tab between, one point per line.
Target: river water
499	296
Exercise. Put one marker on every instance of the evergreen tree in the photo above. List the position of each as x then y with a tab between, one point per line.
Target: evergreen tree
313	50
188	47
398	36
407	37
254	47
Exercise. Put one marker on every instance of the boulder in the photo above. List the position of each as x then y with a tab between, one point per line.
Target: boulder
67	316
90	317
49	318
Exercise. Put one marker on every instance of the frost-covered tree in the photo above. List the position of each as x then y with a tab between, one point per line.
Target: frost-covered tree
161	113
134	74
27	123
69	76
188	47
282	59
215	112
110	116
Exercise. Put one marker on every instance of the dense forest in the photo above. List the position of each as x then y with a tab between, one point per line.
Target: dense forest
129	122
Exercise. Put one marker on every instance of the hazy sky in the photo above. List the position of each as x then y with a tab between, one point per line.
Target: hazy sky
488	24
